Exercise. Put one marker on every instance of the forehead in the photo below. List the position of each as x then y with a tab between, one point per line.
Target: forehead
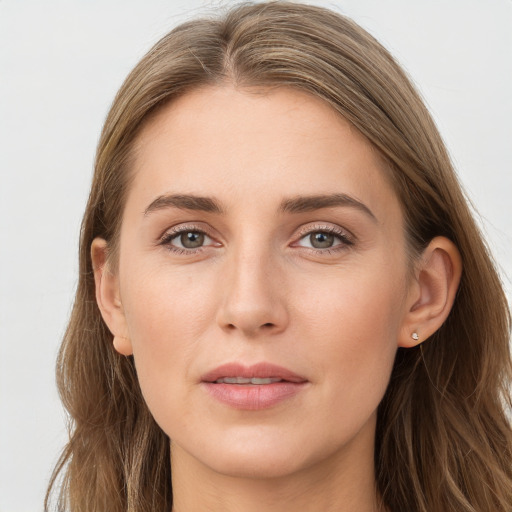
240	145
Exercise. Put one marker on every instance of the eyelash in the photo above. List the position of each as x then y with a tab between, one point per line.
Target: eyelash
345	238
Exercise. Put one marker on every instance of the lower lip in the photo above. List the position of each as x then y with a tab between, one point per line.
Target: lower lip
253	397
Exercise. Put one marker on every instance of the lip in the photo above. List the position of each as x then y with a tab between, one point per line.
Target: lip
253	396
259	370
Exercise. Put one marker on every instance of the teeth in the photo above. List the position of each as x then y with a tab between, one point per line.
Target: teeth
245	380
234	380
267	380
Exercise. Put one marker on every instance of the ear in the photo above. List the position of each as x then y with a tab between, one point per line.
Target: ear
108	297
432	292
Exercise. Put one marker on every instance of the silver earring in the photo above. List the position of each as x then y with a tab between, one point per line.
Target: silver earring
415	336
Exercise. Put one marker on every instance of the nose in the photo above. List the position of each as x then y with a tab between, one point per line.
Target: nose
253	300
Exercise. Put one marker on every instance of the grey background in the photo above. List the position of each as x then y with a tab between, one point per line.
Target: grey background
61	63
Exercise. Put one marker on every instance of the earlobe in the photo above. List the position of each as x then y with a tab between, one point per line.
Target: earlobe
108	297
432	294
123	345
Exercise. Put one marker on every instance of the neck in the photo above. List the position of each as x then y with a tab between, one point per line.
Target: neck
344	482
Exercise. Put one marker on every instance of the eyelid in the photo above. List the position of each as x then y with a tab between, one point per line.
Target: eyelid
186	226
328	228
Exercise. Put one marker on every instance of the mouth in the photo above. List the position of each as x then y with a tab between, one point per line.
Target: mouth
257	374
243	380
260	386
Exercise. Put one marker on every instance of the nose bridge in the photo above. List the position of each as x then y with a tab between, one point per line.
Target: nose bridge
252	299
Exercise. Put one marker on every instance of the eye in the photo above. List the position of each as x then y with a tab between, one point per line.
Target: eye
186	240
321	240
191	239
325	238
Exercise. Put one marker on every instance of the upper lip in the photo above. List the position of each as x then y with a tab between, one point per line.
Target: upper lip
259	370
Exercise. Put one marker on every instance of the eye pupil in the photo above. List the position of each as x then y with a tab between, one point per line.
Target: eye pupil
192	239
321	240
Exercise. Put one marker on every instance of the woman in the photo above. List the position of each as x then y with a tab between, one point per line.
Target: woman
284	302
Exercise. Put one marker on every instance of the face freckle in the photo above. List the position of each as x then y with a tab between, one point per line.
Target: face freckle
261	231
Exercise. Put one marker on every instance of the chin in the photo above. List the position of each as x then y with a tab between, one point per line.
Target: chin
260	465
260	454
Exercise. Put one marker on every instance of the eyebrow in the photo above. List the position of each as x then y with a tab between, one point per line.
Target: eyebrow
299	204
185	202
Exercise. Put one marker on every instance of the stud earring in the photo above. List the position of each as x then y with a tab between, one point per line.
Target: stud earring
415	336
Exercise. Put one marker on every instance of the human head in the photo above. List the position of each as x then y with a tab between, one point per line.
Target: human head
332	59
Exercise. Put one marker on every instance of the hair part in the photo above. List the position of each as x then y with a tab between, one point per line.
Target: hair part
443	440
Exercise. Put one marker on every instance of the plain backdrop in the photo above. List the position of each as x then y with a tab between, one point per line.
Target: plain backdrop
61	63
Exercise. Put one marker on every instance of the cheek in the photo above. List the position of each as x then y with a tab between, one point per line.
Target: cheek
167	315
175	303
354	326
360	305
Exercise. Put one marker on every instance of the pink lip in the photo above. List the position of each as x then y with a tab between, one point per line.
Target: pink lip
253	396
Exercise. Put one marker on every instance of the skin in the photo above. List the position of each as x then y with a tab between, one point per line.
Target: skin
256	290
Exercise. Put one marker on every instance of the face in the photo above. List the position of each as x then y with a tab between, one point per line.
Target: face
261	280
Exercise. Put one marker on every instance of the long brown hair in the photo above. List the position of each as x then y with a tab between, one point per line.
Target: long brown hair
443	441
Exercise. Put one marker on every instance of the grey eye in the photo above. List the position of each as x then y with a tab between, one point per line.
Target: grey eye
321	240
191	239
324	239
